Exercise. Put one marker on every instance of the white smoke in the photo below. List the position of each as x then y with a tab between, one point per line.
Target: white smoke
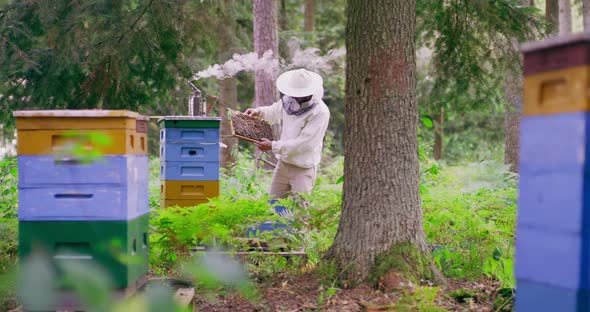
309	59
238	63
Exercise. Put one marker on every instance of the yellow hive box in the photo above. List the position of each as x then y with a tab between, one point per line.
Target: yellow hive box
104	142
189	189
559	91
79	120
107	132
165	203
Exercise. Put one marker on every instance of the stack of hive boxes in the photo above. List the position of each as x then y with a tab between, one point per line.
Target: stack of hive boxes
189	160
553	234
83	190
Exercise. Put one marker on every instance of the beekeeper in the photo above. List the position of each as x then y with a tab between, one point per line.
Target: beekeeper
304	118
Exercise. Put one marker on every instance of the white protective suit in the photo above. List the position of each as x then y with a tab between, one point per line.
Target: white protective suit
299	149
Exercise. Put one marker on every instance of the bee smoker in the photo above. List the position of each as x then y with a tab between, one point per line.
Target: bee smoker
199	105
196	101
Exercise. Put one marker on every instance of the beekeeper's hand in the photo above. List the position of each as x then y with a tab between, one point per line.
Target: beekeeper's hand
251	112
264	145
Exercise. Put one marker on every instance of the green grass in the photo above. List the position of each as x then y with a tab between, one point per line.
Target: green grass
470	213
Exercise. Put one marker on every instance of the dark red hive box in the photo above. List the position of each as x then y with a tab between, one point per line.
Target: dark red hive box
556	53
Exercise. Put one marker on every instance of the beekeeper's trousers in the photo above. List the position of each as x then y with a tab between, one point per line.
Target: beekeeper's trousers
288	178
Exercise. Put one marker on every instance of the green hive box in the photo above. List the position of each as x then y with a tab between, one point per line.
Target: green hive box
119	247
189	122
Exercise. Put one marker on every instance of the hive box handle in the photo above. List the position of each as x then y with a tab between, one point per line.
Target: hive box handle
553	91
73	251
68	161
73	196
72	257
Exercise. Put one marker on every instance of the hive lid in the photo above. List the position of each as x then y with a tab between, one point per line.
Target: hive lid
556	41
556	53
162	118
81	113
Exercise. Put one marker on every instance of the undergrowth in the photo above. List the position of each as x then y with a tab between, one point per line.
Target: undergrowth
8	213
469	219
8	230
243	204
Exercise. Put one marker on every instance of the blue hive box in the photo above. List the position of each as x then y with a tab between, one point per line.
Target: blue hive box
187	135
555	201
189	171
189	152
543	298
554	143
112	188
552	258
35	171
553	176
89	202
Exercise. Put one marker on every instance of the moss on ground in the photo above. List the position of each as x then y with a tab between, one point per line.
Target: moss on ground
404	258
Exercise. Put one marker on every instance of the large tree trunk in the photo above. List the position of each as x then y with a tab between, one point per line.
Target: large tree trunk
265	38
309	15
513	113
283	26
513	98
381	203
439	119
586	10
228	90
283	21
552	15
565	17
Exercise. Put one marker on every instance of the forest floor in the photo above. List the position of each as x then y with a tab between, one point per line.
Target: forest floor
305	293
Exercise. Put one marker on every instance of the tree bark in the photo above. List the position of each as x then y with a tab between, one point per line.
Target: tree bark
381	202
265	38
552	15
283	21
565	17
309	15
586	10
228	90
513	98
513	113
438	134
283	26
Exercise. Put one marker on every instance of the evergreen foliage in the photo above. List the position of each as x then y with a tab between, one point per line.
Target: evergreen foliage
473	47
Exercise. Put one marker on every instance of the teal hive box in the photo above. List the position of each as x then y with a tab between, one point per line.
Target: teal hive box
121	248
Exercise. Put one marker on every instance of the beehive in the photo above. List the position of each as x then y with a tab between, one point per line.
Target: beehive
553	231
189	160
83	184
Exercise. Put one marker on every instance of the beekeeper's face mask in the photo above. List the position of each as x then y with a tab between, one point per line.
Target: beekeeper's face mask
297	106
